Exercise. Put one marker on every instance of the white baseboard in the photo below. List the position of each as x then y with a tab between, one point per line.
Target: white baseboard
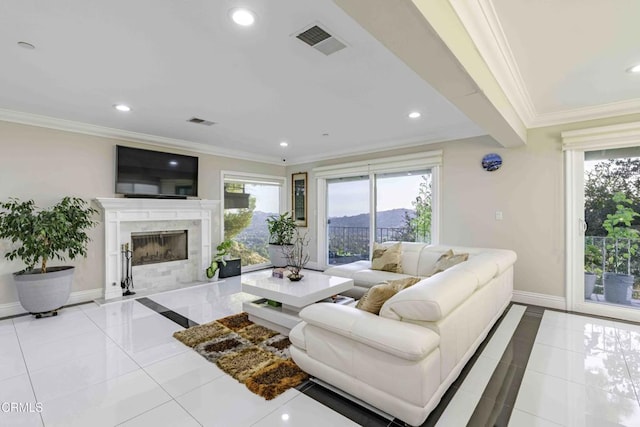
14	308
543	300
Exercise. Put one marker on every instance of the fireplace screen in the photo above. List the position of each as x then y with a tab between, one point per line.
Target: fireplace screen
159	246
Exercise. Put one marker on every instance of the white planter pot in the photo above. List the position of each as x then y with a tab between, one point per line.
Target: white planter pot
277	255
41	293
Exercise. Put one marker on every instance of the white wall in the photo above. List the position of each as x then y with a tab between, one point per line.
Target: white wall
46	165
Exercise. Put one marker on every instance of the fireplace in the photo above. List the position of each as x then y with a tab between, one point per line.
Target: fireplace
159	246
127	219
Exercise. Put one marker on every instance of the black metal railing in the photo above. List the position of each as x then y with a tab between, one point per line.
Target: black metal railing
349	244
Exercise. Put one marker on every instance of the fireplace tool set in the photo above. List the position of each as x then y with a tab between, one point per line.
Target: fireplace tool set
126	281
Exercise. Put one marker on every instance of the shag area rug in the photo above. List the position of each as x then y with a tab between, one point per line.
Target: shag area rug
252	354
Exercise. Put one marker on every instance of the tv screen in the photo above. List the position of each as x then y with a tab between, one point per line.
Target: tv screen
147	173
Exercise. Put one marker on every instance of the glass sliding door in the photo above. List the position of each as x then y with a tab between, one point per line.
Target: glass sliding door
612	220
403	206
348	219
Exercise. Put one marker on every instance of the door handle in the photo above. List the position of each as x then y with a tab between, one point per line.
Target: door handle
583	225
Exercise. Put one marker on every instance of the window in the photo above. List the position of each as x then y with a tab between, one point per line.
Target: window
393	199
248	201
403	206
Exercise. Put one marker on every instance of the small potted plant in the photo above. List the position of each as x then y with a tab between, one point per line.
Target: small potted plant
281	231
297	255
38	236
617	285
592	268
220	257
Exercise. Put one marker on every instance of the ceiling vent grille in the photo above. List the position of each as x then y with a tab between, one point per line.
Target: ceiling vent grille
319	39
198	121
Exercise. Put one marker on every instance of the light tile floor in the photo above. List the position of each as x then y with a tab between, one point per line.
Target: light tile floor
119	365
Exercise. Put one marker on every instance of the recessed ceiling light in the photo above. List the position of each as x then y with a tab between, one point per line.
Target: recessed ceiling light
284	144
122	107
634	69
414	115
243	17
26	45
173	163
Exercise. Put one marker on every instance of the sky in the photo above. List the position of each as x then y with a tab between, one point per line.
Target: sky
352	197
346	198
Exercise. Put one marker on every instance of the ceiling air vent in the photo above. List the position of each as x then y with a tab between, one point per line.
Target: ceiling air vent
201	121
321	40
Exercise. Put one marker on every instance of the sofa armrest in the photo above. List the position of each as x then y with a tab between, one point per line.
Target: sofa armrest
405	340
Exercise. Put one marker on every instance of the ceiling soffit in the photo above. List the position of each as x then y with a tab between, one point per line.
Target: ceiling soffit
481	20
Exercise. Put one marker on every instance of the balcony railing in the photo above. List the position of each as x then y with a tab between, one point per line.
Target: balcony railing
348	244
615	256
618	251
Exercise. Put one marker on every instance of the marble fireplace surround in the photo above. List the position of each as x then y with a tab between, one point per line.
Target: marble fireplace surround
123	215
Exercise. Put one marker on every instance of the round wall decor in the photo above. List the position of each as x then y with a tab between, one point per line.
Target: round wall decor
491	162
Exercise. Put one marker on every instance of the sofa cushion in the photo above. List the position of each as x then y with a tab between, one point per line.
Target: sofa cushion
411	257
375	297
431	299
405	340
387	258
348	270
483	266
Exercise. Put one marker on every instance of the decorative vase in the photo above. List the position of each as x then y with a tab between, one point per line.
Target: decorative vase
295	277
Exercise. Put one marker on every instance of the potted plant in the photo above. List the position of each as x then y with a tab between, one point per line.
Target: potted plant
281	231
297	255
40	235
617	285
592	268
220	258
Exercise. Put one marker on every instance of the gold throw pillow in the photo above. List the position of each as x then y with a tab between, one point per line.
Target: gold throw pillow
448	262
375	297
387	258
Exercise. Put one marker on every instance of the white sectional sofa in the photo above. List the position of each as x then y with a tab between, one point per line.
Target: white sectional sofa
404	359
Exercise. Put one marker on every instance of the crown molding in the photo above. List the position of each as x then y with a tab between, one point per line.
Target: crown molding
125	135
481	21
602	111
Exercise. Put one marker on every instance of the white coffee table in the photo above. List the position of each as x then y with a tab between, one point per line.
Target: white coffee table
293	296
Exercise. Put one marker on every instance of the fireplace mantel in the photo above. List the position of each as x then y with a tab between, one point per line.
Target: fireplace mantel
119	210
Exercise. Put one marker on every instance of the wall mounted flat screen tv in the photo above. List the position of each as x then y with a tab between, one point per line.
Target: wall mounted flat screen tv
146	173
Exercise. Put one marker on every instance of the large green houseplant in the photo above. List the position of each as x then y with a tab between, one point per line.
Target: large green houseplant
39	236
281	231
618	284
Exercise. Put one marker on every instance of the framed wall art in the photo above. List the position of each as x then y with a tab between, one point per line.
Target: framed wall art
299	198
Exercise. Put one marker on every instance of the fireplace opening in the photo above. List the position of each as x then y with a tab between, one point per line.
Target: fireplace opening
159	246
